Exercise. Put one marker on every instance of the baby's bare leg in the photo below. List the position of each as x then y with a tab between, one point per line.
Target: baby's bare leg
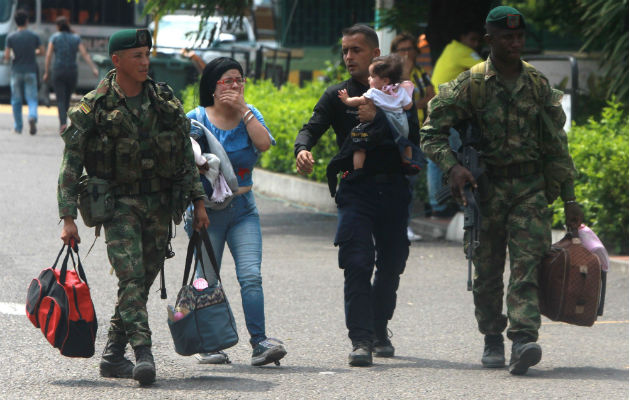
358	158
407	154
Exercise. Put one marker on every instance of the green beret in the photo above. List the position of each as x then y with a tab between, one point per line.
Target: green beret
129	39
506	17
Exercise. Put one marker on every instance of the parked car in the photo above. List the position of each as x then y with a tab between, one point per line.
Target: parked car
221	36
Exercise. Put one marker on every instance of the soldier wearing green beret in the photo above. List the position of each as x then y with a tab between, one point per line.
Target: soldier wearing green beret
525	153
132	137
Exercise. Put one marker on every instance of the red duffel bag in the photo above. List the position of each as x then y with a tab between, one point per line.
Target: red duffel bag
58	302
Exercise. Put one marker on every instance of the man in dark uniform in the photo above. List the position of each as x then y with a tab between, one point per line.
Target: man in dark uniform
132	133
372	211
528	165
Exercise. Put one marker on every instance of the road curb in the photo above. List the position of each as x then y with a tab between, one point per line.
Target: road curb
294	189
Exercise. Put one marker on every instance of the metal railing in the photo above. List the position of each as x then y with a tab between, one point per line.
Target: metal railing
270	62
233	52
271	68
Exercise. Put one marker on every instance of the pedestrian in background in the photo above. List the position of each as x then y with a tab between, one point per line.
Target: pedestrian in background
458	56
372	213
132	134
64	45
240	129
404	45
25	45
527	166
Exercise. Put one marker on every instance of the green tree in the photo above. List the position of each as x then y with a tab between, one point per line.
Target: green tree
444	20
602	23
203	8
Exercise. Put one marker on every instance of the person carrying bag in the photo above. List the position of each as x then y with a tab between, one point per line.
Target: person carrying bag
202	320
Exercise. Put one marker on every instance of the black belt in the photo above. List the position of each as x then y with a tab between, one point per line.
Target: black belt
144	186
385	178
517	170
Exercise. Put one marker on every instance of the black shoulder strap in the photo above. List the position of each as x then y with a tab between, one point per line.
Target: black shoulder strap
78	267
195	248
210	251
194	238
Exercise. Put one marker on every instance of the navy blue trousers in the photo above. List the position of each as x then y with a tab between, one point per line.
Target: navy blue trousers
372	230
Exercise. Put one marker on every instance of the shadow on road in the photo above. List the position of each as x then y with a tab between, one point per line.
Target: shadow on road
218	383
292	369
586	373
415	362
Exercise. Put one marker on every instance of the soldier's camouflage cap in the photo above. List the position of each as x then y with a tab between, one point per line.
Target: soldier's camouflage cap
129	39
506	17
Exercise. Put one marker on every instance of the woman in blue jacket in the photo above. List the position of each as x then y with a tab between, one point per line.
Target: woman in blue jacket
242	132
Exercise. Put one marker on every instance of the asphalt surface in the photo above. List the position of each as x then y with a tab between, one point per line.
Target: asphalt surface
438	348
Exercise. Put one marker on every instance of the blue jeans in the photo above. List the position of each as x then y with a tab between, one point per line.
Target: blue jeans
434	173
238	225
23	85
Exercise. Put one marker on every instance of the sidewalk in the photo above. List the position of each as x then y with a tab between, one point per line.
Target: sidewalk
41	110
315	195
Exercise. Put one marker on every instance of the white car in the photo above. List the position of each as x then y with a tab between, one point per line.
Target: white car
221	35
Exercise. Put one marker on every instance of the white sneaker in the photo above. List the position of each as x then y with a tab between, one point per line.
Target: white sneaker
413	237
212	358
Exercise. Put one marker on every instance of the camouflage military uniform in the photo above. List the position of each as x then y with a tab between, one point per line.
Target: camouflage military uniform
514	144
147	155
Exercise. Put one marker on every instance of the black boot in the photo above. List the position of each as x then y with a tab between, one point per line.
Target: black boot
361	355
144	371
113	362
493	352
382	345
525	353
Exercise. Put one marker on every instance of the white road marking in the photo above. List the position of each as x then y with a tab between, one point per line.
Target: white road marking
12	308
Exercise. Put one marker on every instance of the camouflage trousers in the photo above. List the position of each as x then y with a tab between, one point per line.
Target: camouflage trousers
515	216
136	240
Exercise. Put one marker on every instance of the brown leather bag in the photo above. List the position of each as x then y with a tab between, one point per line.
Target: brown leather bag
570	283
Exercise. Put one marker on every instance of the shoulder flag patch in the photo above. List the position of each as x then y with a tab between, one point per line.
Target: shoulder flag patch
85	108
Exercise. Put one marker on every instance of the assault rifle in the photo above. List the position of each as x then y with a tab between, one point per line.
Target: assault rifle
470	159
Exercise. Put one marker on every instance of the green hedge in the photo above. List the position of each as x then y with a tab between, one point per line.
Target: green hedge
600	152
285	111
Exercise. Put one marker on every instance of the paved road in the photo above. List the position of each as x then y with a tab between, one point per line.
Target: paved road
437	345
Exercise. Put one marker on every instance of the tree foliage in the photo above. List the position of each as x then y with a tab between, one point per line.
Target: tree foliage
204	8
405	16
603	24
601	186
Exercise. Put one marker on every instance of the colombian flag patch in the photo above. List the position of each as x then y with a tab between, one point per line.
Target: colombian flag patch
85	108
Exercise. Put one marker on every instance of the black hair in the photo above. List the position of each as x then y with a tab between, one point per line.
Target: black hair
403	37
62	24
366	31
389	67
211	74
21	17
